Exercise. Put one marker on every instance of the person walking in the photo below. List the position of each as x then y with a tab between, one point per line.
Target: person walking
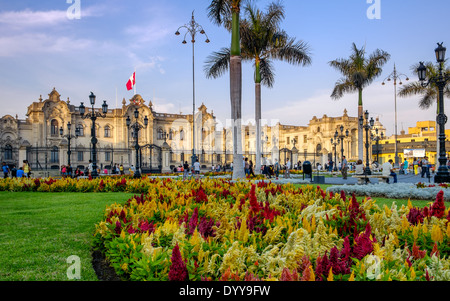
5	169
250	168
287	173
197	169
26	169
405	166
246	167
185	170
277	168
344	167
425	167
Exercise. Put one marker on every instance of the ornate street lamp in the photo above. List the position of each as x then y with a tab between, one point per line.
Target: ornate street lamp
69	137
193	28
394	76
341	137
335	143
367	125
93	115
377	140
136	127
440	80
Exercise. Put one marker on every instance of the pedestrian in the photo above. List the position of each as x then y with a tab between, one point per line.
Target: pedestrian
197	169
287	173
185	170
246	167
405	166
13	171
250	168
344	167
26	169
277	168
90	167
425	167
122	172
20	173
5	169
63	171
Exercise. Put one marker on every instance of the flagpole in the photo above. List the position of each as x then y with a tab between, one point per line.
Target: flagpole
134	81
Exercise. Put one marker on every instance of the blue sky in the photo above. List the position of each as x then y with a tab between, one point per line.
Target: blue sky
41	47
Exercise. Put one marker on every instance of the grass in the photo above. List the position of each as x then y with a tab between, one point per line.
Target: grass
40	231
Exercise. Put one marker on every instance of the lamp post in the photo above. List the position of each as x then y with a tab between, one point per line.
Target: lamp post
192	28
377	140
136	127
395	76
440	80
335	143
342	137
69	137
367	125
93	115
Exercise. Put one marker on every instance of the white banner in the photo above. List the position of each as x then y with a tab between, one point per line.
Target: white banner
414	153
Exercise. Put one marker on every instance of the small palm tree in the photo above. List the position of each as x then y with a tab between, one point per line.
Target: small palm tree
358	73
262	41
227	13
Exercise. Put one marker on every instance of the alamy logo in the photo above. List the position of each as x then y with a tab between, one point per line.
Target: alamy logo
74	11
74	271
374	10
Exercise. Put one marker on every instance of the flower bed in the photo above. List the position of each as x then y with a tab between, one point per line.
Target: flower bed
392	191
215	230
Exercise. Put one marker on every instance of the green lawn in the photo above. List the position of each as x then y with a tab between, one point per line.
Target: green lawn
39	231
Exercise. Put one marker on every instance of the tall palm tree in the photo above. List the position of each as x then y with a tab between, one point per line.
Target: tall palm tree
358	73
262	41
429	94
227	13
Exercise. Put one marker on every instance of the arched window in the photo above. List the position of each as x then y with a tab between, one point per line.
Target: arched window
170	134
8	152
182	135
54	155
160	134
54	129
80	130
108	132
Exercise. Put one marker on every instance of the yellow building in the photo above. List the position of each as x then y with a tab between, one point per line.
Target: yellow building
420	141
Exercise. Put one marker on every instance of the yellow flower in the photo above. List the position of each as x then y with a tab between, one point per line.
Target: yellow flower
352	276
330	275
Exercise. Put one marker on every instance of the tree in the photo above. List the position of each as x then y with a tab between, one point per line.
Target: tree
358	72
262	41
227	13
429	94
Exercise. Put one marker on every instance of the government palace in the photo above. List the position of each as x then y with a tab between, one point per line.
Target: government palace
165	140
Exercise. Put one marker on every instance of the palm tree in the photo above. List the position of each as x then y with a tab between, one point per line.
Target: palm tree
227	13
261	42
429	94
358	73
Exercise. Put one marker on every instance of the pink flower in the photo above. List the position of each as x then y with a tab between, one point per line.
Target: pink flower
178	270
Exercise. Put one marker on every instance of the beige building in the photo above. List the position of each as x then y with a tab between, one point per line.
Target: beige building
165	142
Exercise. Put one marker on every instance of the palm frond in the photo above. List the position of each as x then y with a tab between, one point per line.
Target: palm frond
219	11
342	86
217	63
267	74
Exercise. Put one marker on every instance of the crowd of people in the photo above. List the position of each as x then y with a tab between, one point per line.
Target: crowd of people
24	171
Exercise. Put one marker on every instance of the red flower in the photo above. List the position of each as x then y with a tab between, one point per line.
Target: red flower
178	270
438	207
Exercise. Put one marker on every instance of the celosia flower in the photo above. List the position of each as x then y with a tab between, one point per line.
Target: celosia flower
178	270
438	207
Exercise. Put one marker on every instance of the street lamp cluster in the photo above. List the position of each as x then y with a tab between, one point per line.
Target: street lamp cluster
69	137
339	139
93	115
136	127
192	28
367	124
440	80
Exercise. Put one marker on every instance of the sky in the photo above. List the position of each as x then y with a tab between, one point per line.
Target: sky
79	46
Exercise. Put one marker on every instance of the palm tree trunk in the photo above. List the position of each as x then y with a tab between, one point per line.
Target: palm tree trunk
236	97
360	129
258	127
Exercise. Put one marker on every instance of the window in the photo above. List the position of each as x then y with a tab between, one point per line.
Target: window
171	134
107	156
182	135
8	153
54	130
54	155
80	156
80	130
288	139
160	134
107	132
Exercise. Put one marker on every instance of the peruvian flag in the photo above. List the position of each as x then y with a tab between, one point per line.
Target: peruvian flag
131	82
